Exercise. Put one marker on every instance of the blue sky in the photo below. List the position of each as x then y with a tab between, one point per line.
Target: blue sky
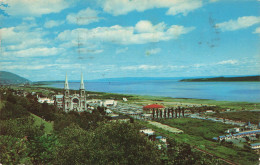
44	39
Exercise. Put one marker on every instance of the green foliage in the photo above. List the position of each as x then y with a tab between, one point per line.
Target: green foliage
12	111
190	126
203	128
245	116
109	143
42	149
20	128
13	150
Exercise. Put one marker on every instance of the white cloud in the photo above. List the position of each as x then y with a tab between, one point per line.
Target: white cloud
142	67
152	51
35	7
52	23
192	67
83	17
184	7
145	26
122	50
240	23
257	30
126	35
21	38
121	7
28	19
228	62
35	52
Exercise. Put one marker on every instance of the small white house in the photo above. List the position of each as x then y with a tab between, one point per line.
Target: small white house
107	103
108	111
45	99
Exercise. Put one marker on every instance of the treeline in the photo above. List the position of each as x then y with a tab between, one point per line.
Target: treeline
79	138
247	78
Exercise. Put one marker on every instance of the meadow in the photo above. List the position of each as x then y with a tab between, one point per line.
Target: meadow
199	133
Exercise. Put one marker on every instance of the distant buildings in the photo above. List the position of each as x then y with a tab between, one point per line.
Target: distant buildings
237	135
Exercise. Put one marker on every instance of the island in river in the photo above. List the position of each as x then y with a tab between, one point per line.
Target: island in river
223	79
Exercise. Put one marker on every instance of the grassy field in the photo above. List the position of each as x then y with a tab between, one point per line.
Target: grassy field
245	116
48	126
200	132
168	101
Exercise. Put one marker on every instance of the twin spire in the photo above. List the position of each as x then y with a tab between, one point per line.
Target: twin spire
66	85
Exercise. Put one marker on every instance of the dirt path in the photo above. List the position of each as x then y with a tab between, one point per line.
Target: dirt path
165	127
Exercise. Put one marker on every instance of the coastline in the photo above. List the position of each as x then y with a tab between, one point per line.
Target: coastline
167	101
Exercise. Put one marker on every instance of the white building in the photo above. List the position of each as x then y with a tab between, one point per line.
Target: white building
45	99
74	102
107	103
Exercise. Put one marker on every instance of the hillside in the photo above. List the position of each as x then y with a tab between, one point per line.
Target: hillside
11	78
246	78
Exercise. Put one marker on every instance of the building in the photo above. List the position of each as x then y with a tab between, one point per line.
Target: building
72	102
107	103
255	146
45	100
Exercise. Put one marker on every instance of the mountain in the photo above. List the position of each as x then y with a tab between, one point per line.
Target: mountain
245	78
11	78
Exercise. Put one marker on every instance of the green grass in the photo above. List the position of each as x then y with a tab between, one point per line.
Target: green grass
1	104
38	121
244	116
199	133
203	128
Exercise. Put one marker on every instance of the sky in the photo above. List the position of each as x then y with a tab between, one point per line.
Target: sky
45	39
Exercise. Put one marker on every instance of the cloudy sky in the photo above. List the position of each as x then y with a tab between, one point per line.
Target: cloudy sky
44	39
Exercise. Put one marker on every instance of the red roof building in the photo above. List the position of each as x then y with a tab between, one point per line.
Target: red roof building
153	106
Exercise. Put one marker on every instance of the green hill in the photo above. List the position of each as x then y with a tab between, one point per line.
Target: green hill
246	78
11	78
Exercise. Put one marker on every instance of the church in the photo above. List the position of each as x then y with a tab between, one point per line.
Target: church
72	102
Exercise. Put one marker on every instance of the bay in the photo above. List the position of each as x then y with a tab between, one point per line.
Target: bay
221	91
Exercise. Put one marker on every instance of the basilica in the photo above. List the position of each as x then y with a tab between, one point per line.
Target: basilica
72	102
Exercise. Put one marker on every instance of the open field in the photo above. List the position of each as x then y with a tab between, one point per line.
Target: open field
198	133
245	116
38	121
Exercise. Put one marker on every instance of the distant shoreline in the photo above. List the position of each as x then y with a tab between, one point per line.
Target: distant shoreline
224	79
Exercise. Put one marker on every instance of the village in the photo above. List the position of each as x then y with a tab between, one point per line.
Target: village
123	111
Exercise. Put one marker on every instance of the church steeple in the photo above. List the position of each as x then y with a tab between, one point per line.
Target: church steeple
82	88
66	85
82	83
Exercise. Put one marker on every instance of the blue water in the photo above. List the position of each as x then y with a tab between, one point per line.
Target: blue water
225	91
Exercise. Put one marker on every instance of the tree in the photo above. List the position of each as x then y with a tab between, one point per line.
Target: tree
13	150
42	149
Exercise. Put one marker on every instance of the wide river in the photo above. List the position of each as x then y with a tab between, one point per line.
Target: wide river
225	91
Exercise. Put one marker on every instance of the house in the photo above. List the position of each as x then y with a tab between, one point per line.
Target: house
108	111
255	146
45	100
107	103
